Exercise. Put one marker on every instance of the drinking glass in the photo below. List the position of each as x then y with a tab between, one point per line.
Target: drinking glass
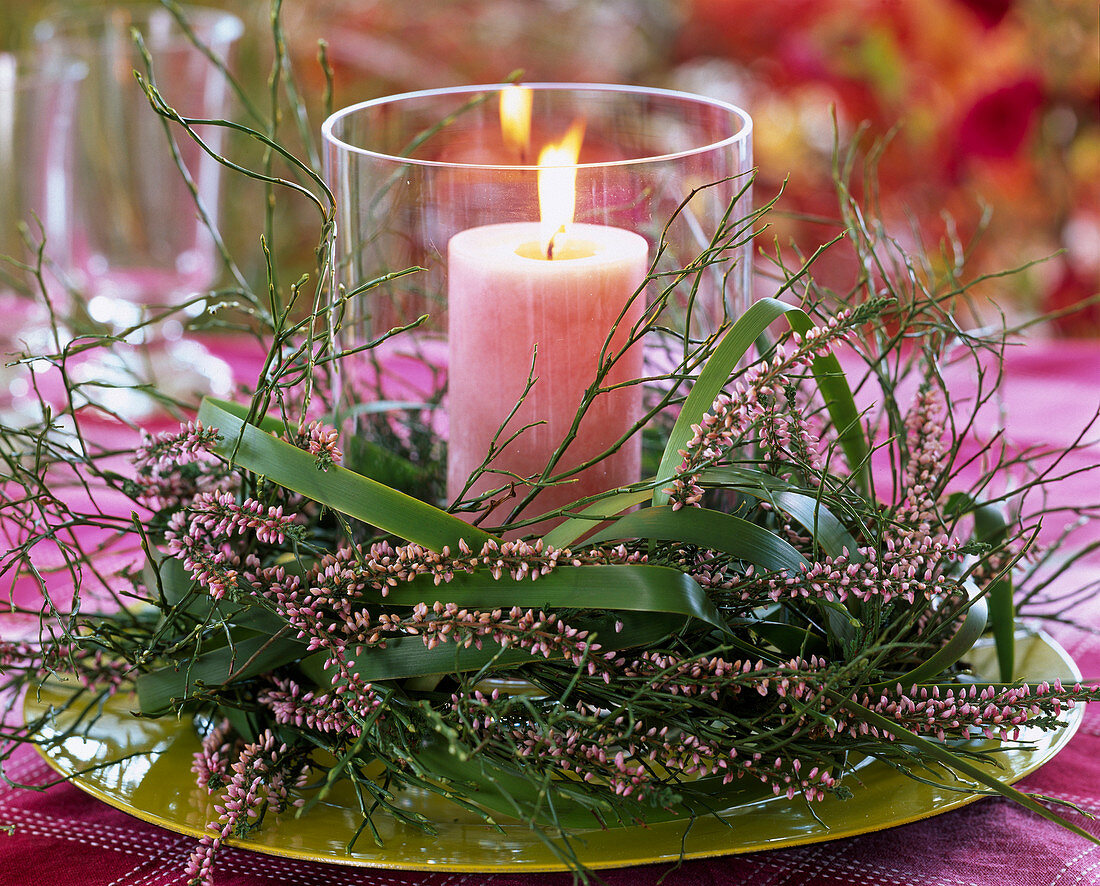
147	195
36	181
414	173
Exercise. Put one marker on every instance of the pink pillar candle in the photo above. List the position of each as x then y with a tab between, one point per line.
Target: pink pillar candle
505	298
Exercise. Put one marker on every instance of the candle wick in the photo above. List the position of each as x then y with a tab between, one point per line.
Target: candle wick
550	243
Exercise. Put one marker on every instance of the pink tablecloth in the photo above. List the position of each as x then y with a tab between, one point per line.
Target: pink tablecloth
61	836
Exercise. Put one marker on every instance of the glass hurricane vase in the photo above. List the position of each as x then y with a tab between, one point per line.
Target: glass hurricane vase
540	328
146	195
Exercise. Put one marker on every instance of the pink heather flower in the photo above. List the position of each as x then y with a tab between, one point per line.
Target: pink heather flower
162	483
257	780
200	866
995	712
759	401
544	635
320	440
168	449
321	712
924	427
211	763
199	536
383	566
215	568
907	564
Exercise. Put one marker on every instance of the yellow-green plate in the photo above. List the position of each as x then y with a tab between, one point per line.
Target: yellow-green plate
153	782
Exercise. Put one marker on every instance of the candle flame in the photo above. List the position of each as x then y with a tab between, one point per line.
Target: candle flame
558	184
515	119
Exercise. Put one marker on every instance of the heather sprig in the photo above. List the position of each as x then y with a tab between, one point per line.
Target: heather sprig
925	465
963	712
169	450
262	776
321	712
539	634
320	440
173	467
384	566
211	763
905	568
758	414
201	534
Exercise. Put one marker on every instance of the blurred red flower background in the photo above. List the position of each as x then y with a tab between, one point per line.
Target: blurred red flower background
997	104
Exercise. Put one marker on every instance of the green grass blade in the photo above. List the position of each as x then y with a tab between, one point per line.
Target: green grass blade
709	529
961	642
256	450
828	532
157	690
757	482
991	527
566	533
620	587
650	602
721	365
407	656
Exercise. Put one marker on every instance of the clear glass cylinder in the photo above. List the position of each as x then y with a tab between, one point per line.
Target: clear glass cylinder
36	176
138	229
413	172
36	202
